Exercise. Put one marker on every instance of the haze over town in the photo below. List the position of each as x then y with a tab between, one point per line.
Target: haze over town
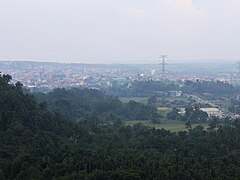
126	31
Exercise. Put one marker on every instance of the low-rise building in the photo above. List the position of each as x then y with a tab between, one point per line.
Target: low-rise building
175	93
212	111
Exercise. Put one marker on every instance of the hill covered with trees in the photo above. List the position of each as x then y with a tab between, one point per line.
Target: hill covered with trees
36	143
78	104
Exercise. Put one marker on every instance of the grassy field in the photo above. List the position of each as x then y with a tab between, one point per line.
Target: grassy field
143	100
164	111
173	126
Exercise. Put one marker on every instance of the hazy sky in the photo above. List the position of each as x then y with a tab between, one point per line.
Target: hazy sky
110	31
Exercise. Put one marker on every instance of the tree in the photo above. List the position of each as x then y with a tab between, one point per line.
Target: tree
214	122
195	115
173	114
188	125
152	100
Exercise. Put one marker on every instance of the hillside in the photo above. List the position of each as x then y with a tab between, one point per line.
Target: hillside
38	144
77	104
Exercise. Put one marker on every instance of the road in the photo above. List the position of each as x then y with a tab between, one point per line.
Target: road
225	112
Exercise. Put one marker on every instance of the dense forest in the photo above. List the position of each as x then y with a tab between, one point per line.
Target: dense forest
37	143
80	104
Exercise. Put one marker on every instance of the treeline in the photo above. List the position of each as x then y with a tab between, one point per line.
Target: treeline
149	88
211	87
79	104
38	144
141	88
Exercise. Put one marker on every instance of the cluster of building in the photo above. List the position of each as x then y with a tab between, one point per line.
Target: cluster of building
46	76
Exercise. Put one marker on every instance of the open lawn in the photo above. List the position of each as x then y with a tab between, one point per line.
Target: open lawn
143	100
164	111
171	125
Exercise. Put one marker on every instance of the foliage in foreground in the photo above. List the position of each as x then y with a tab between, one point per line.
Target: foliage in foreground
37	144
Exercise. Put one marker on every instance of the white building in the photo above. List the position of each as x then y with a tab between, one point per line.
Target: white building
210	111
213	112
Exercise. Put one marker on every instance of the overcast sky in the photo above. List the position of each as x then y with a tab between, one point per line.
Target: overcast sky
123	31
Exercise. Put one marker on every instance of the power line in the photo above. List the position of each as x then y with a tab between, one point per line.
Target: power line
163	64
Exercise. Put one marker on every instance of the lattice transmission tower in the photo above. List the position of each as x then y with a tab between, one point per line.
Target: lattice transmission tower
163	64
